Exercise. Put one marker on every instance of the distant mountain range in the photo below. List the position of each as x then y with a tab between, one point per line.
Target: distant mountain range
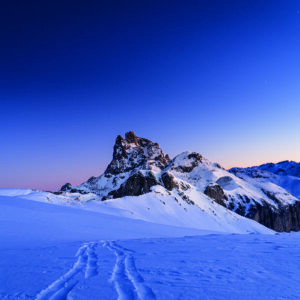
268	194
285	174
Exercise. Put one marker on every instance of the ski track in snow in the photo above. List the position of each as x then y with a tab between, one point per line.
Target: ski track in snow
92	261
86	264
128	282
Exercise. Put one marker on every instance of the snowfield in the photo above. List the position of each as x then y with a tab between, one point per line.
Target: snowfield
157	207
51	251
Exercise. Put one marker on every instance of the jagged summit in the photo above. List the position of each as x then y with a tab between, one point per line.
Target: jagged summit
134	152
135	167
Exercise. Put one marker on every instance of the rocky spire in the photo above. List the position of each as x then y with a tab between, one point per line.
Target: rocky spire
134	152
131	137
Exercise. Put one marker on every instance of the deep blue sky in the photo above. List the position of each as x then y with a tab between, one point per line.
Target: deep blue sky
218	77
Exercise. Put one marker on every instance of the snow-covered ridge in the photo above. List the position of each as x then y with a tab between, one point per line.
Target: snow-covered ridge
15	192
159	207
139	165
287	167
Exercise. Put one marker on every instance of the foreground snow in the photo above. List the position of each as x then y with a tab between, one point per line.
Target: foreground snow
198	267
59	252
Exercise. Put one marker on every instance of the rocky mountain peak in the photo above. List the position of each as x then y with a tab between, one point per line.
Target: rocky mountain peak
186	161
134	152
131	137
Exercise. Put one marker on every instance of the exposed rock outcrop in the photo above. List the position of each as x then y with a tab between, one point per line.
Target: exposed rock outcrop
169	181
215	192
69	188
136	185
66	187
285	219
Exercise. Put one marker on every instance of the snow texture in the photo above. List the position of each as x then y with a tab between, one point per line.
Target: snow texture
56	252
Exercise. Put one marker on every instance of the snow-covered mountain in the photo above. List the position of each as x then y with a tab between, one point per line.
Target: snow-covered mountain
283	168
282	177
184	190
285	174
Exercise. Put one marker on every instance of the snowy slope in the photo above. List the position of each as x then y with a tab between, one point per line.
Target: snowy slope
159	206
38	240
59	252
31	222
15	192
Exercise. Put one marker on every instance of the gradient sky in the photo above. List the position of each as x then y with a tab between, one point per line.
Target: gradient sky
218	77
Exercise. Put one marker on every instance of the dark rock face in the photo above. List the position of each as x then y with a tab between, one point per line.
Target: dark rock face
215	192
66	187
136	185
285	219
168	181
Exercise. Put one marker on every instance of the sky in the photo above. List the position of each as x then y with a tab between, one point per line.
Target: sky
221	78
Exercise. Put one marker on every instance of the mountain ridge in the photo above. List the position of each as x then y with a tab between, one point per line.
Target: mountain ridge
139	166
